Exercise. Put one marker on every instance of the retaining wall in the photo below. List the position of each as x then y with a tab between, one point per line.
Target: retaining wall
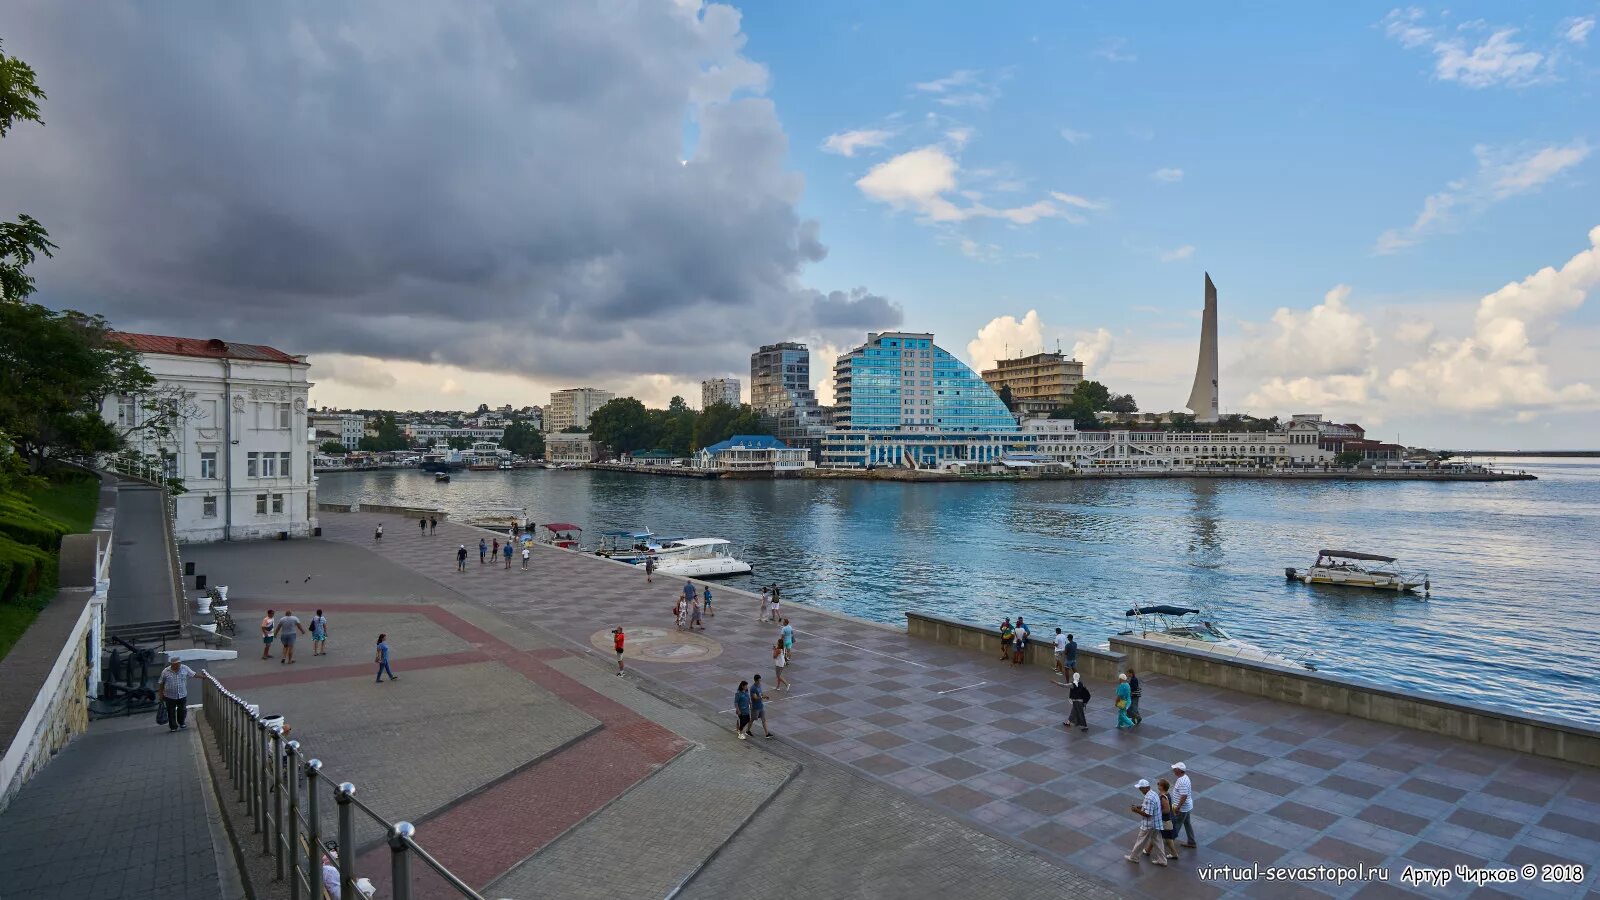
1096	664
410	512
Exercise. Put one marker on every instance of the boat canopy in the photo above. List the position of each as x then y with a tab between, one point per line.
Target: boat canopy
698	542
626	533
1351	554
1160	611
563	526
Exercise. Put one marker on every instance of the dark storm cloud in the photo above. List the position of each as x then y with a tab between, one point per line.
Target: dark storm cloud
497	186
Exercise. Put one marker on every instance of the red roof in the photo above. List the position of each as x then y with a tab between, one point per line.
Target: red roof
213	348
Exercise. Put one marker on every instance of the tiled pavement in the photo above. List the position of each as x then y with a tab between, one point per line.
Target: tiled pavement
1277	784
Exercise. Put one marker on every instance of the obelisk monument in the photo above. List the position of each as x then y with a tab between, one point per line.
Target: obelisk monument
1203	397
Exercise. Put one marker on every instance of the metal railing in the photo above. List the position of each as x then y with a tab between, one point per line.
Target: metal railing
282	791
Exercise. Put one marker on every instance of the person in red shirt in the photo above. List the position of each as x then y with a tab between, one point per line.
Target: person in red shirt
617	637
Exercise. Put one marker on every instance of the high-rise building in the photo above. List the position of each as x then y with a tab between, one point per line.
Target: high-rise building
571	408
780	390
719	390
1040	384
1203	400
901	400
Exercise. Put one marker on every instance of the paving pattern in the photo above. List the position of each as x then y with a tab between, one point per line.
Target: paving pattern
1276	784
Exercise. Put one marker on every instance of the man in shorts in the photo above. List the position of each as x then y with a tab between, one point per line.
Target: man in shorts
741	705
289	628
616	638
758	708
268	627
788	639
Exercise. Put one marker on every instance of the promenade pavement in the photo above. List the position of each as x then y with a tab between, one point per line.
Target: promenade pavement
529	769
978	739
141	574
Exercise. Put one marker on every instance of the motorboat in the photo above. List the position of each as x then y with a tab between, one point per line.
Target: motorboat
441	477
630	546
560	534
699	558
1352	569
1191	629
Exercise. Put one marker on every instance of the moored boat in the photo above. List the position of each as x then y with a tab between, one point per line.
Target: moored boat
1190	629
1350	568
700	558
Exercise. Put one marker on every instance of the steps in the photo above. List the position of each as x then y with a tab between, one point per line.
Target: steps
145	632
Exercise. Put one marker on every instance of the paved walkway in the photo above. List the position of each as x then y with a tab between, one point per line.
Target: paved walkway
141	575
1277	784
121	812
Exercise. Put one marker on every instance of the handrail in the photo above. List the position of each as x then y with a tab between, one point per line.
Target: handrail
268	772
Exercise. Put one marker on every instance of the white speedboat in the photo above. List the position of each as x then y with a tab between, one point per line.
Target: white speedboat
1367	570
1189	629
699	558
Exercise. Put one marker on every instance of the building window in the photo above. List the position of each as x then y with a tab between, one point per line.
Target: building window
252	465
285	467
277	504
208	464
208	507
261	504
269	465
127	411
284	411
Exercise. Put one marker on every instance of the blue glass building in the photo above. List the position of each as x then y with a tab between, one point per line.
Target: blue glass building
902	400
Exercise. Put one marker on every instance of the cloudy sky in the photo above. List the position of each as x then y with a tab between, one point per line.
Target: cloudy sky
452	204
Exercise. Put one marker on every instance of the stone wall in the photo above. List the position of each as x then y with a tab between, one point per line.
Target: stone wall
1096	664
1568	741
410	512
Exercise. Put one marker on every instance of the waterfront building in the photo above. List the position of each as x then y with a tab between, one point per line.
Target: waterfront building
780	390
752	453
345	427
571	447
719	390
571	408
1040	384
1203	396
236	434
440	435
1129	448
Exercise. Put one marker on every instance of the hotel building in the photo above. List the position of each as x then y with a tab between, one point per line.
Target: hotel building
1040	384
780	390
345	427
719	390
237	435
571	408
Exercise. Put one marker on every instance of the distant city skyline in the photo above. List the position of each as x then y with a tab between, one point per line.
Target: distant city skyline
1027	177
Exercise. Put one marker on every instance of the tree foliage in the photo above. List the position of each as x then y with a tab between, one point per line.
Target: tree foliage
524	440
1349	458
388	437
1007	398
332	448
626	425
22	241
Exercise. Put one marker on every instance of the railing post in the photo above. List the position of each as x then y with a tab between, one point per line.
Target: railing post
252	771
313	828
292	851
261	788
238	748
277	800
345	797
400	860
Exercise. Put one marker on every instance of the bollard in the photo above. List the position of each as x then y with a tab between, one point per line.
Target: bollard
313	827
277	800
400	860
292	850
345	797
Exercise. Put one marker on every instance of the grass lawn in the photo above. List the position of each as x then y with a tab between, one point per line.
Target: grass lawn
72	502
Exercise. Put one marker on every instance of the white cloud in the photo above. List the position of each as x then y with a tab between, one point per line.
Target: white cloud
924	179
964	87
1496	60
1077	201
1005	337
1094	351
979	251
958	137
1327	339
1073	136
1576	31
1112	49
1178	253
1167	175
846	143
1501	175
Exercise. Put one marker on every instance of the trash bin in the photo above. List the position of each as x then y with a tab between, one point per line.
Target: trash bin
283	535
317	531
199	582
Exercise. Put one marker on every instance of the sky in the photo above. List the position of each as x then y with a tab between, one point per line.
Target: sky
448	205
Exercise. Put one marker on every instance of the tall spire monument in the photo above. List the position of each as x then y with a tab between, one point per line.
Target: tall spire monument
1203	396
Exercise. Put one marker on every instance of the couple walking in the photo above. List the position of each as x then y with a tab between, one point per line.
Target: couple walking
1163	809
750	704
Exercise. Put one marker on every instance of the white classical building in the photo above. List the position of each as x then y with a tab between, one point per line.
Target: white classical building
238	437
421	433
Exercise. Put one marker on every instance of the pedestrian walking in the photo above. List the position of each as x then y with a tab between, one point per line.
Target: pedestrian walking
1149	812
483	551
1124	700
1169	829
507	551
319	634
433	524
377	534
1072	656
617	638
1007	633
694	615
758	707
1133	698
649	568
787	636
269	627
1183	796
1019	642
494	549
173	692
1079	695
705	597
688	595
741	705
779	660
382	659
526	553
774	607
461	558
766	601
289	628
1060	653
422	525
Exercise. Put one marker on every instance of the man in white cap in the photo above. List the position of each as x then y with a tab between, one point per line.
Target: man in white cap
1182	803
1149	812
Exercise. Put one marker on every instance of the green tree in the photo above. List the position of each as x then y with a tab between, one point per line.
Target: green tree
22	241
1092	395
622	424
457	442
388	436
1349	458
720	421
1007	398
524	440
1122	403
332	448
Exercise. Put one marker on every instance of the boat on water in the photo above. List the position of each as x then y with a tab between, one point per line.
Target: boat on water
442	477
1367	570
442	462
561	534
1190	629
700	558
